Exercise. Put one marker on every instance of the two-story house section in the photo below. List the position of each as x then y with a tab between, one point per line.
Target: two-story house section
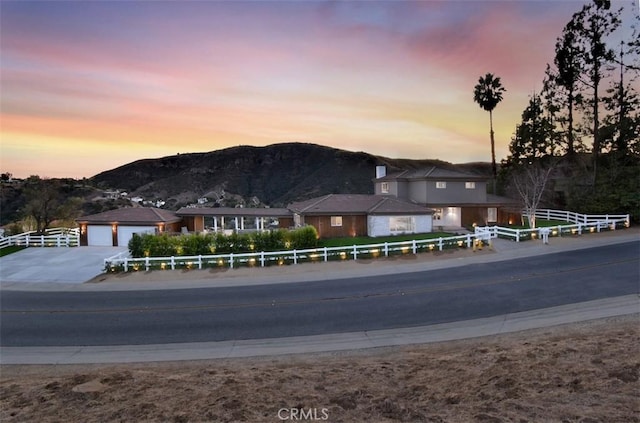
458	199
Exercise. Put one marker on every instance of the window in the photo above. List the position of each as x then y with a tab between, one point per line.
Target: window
470	185
492	214
441	185
437	214
384	187
336	220
402	224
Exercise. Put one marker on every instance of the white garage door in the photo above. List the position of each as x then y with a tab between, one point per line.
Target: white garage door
99	236
126	232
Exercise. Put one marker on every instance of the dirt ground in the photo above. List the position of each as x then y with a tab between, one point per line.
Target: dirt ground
584	372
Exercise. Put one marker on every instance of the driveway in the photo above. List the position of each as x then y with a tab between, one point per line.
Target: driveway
58	265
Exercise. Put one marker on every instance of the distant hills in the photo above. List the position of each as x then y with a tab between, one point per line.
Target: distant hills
274	175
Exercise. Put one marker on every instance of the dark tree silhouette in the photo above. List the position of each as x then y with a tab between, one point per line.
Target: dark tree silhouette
488	93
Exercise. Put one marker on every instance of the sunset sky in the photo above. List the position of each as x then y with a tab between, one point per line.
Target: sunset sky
89	86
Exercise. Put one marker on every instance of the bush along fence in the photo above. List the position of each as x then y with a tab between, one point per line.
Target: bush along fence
581	223
268	258
56	237
233	256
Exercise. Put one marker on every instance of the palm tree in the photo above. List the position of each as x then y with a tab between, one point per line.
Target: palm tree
488	93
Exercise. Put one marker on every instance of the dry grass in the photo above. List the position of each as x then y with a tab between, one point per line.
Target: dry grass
585	372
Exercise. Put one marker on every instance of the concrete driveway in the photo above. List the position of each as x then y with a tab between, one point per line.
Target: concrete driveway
51	264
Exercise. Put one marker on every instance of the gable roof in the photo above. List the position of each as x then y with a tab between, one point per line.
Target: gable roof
131	215
233	211
356	204
432	172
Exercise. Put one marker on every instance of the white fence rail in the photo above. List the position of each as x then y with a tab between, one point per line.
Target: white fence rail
119	262
584	219
55	237
584	223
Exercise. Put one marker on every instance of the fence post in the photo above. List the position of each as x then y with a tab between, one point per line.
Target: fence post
261	258
415	251
355	252
440	243
125	265
231	260
41	240
325	254
295	257
173	263
517	235
146	263
560	231
468	240
386	249
200	261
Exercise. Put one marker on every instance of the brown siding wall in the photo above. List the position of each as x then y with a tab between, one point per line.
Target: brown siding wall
478	215
354	225
285	222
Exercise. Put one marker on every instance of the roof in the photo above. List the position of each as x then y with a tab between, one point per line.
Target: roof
491	201
234	211
356	204
433	172
131	215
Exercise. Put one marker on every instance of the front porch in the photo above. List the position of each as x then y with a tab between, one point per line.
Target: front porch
228	220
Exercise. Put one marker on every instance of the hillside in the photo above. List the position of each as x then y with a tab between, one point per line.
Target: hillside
276	175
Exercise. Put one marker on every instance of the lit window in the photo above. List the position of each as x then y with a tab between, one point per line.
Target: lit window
470	185
336	220
441	185
384	188
437	214
492	214
402	224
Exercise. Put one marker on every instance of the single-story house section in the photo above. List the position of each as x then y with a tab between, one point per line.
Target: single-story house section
349	215
199	219
116	227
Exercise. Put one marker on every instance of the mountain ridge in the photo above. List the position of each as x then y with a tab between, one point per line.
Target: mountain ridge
275	175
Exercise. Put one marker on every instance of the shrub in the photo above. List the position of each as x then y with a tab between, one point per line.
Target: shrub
305	237
197	244
136	246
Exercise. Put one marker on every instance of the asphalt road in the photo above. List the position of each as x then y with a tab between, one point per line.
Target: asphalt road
312	308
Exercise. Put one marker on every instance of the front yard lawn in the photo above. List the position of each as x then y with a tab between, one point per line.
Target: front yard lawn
10	250
540	223
365	240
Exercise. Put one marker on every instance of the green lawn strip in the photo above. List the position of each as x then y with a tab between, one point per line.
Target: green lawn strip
541	223
365	240
10	250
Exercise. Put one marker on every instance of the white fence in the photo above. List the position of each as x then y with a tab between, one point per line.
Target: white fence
119	262
584	219
584	223
56	237
581	223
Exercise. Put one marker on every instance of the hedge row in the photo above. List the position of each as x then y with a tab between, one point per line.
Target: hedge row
164	245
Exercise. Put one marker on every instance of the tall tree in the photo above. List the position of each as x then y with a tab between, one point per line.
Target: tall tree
534	136
42	201
566	79
591	26
488	93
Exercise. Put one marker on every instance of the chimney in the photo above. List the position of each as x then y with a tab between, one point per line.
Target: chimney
381	171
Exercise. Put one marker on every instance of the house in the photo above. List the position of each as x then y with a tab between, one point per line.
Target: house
116	227
198	219
457	198
349	215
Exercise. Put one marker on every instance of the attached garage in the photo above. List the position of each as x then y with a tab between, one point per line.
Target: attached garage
100	235
116	227
126	232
